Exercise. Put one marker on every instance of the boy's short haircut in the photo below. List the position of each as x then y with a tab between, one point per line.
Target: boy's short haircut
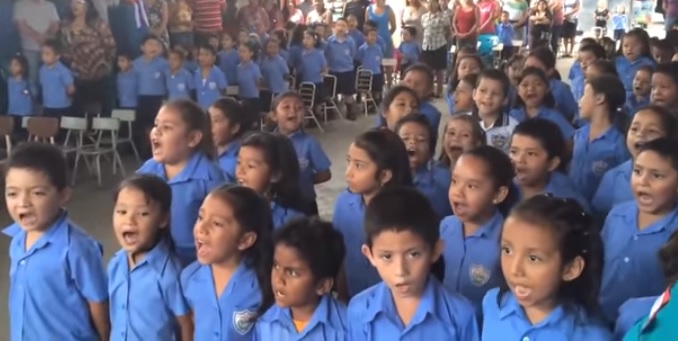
53	45
370	23
150	37
401	208
40	157
411	30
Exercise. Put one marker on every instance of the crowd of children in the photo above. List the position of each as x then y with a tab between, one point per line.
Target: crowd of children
541	219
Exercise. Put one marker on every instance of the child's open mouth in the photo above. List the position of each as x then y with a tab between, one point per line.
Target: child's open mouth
130	237
27	218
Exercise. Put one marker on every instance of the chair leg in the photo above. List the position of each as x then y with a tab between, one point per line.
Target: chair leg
75	168
135	151
98	170
116	159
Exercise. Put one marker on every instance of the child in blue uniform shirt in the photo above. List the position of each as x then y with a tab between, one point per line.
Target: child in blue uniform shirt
505	33
57	281
249	79
126	83
417	136
635	52
635	230
649	123
398	102
632	311
182	156
228	58
179	82
665	86
564	102
267	163
599	145
575	69
480	195
56	83
312	63
230	284
274	71
150	69
376	159
314	164
20	100
307	257
462	133
370	56
145	272
550	260
354	32
209	81
229	124
536	150
536	101
419	78
409	49
640	94
402	243
587	55
341	53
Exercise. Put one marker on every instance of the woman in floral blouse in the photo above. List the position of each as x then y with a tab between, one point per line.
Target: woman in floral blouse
89	51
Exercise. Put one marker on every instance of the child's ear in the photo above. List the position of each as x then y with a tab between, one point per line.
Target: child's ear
500	195
164	222
324	286
385	176
553	163
194	138
235	128
574	269
600	99
367	252
247	240
65	196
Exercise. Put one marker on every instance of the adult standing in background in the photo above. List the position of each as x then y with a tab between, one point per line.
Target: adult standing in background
320	14
9	36
436	23
411	16
383	15
294	14
556	7
37	21
518	13
571	9
274	14
306	6
158	16
207	19
489	10
356	8
670	8
89	51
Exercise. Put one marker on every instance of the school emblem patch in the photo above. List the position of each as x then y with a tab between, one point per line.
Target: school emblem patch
303	163
479	275
181	86
212	85
499	141
599	167
243	321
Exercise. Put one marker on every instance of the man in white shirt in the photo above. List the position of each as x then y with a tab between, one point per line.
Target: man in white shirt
37	21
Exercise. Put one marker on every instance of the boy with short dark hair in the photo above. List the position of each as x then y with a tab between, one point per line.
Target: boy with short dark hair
56	82
403	244
58	288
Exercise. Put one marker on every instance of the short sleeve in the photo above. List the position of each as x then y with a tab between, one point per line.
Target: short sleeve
283	66
174	298
221	80
257	72
602	201
87	270
319	160
67	77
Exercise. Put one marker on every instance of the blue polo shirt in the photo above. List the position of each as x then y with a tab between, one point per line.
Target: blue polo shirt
561	186
505	320
249	76
145	300
550	114
54	81
409	52
427	180
340	53
440	315
228	160
51	283
370	57
627	70
311	65
127	89
328	323
228	62
312	159
274	69
189	189
566	105
209	89
358	37
151	75
614	188
179	84
19	97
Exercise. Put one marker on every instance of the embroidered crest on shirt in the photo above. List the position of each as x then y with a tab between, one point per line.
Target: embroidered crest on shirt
303	163
243	321
212	85
499	141
181	86
479	275
599	167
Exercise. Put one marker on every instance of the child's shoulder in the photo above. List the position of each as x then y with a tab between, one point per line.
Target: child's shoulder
490	300
367	303
346	197
190	272
449	224
622	209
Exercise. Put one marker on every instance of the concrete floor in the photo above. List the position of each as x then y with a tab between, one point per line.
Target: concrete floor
91	206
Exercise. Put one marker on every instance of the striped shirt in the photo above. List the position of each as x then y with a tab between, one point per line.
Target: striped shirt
207	15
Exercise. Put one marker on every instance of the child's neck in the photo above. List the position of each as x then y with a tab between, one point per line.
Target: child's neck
646	219
600	122
133	258
533	111
538	312
490	119
33	236
406	307
227	49
305	312
528	191
174	71
18	76
173	170
368	197
125	69
223	271
640	98
148	57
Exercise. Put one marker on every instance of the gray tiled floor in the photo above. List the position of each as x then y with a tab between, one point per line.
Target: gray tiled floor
91	206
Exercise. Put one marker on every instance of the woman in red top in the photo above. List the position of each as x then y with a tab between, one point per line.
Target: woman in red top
489	12
465	24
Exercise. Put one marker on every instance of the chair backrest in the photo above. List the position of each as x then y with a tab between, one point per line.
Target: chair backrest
43	127
330	82
105	124
124	115
307	93
6	125
73	123
363	80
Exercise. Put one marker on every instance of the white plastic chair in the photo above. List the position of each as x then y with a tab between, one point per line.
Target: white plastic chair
127	117
331	100
363	86
103	126
307	92
6	130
